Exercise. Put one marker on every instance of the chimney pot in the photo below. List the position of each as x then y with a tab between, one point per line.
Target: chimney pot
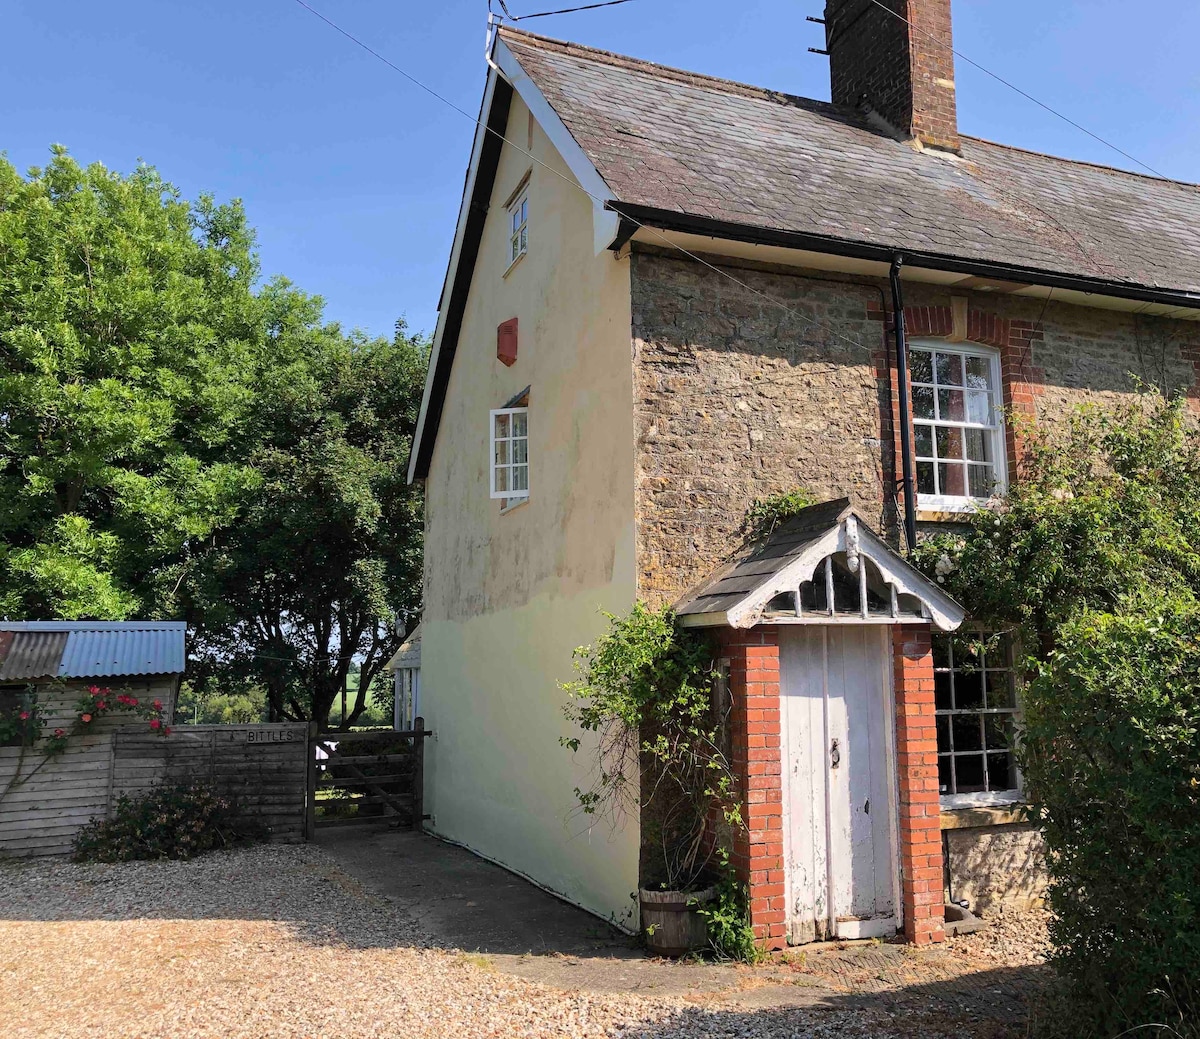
899	62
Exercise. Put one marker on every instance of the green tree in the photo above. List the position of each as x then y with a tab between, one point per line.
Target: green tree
127	324
177	441
322	572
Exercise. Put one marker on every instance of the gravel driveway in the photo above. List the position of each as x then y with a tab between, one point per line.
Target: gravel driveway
278	941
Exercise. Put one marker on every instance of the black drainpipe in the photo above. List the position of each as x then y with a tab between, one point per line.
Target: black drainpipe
906	456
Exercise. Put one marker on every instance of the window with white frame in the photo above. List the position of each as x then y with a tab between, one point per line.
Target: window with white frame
510	453
975	700
957	427
518	227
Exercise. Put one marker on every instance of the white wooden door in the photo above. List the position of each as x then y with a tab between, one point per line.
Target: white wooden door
839	796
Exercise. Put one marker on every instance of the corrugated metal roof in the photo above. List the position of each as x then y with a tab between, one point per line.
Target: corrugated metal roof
94	649
33	654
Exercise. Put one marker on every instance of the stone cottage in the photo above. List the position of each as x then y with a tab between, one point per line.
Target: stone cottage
670	295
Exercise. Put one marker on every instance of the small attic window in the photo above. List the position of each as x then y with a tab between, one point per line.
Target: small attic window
518	227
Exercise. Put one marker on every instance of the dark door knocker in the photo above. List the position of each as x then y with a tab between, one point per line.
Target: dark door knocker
835	755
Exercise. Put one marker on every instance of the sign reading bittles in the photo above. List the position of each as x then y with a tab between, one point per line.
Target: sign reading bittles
271	735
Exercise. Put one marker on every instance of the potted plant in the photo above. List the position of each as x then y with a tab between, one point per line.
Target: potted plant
648	690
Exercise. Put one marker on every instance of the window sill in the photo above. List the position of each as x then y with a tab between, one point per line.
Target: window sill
509	269
978	816
512	504
949	510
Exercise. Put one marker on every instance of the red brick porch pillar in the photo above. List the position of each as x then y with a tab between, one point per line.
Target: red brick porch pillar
916	753
753	658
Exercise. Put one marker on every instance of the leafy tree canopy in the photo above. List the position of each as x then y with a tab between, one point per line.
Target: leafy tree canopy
176	441
127	334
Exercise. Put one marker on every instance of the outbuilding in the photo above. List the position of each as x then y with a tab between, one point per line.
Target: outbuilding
47	669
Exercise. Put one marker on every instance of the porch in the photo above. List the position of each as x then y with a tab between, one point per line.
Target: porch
825	645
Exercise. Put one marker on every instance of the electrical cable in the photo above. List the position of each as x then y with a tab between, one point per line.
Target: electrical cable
479	123
1029	97
565	10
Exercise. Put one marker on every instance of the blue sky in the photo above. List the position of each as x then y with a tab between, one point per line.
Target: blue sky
352	175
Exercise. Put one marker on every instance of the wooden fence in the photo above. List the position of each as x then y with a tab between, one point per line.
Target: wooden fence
44	805
262	769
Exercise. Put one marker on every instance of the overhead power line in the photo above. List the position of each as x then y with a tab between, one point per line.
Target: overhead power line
565	10
1025	94
479	123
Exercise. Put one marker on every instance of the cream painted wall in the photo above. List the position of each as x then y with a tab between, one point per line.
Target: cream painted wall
509	596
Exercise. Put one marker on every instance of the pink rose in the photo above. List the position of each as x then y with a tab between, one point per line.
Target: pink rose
155	723
85	718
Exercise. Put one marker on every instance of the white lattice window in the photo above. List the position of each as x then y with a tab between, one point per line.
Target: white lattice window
518	228
958	430
975	700
510	453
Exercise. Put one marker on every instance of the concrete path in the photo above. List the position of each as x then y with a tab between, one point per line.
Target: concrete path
465	902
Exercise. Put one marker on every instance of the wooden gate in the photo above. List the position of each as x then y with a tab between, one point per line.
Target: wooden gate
372	776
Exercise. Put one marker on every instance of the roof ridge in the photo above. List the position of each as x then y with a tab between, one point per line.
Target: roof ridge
732	86
625	61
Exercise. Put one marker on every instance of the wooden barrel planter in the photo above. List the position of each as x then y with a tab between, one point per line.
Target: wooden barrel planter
670	922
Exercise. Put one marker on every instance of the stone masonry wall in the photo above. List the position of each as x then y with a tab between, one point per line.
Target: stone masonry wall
736	398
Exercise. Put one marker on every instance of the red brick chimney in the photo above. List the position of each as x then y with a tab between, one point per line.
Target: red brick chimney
904	72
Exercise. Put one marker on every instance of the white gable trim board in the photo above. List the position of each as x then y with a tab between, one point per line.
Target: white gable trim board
605	221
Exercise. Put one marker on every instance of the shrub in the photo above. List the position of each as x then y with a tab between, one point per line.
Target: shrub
1112	763
765	514
1093	561
176	821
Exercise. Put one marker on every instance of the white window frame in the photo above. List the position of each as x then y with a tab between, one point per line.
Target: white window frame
518	227
494	467
994	431
985	798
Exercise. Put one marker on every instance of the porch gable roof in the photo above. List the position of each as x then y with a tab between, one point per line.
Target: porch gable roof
740	594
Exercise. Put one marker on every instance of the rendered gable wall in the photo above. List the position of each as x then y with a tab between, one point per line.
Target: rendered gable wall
508	597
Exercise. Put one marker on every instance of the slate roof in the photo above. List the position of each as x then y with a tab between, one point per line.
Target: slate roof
686	143
90	649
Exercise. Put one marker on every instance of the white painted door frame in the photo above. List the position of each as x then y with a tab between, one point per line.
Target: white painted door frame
818	816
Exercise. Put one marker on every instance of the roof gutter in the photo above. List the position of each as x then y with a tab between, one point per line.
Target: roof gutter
670	220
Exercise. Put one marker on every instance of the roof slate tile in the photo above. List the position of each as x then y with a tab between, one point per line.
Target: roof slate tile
691	144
